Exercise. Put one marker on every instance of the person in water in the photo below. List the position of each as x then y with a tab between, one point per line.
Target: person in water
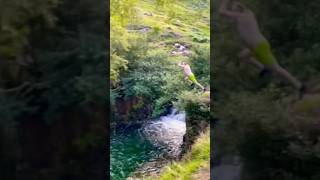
189	75
258	51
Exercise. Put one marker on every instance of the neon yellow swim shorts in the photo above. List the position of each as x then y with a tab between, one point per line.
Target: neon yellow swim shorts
264	54
192	78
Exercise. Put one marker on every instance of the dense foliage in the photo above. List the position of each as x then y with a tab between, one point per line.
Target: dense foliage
259	118
141	62
53	87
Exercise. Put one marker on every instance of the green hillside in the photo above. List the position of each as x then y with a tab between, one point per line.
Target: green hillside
143	35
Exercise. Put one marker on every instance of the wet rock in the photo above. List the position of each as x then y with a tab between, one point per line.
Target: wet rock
151	169
148	14
198	119
133	109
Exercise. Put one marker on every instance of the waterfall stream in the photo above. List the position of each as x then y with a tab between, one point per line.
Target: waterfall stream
167	132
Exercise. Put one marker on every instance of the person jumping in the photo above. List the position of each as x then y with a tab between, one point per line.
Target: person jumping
189	75
258	51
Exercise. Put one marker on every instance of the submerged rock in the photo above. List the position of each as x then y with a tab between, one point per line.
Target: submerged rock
151	169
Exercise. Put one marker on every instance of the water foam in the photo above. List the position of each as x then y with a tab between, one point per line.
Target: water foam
167	132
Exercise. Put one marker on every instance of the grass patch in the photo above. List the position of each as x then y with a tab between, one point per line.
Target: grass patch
308	105
197	158
185	15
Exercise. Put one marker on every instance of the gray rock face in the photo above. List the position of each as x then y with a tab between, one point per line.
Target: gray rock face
181	49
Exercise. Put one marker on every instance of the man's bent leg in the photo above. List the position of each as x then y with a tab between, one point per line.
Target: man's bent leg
246	56
281	72
198	84
194	80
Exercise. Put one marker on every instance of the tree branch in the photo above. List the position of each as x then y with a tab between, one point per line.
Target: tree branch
15	89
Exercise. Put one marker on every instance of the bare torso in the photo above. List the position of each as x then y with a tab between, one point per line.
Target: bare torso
248	28
187	70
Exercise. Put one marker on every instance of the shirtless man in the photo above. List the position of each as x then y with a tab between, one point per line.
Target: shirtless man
189	75
258	51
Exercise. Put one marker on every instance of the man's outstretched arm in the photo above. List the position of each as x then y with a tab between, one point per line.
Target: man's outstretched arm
223	10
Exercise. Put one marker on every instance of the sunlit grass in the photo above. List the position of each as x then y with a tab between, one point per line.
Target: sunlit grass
187	18
197	158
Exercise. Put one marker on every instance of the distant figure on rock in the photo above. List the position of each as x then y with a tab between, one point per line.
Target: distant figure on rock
258	51
189	75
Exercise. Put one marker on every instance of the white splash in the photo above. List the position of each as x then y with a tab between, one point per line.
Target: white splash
168	131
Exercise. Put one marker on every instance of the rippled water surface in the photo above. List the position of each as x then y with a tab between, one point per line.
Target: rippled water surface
128	150
132	147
